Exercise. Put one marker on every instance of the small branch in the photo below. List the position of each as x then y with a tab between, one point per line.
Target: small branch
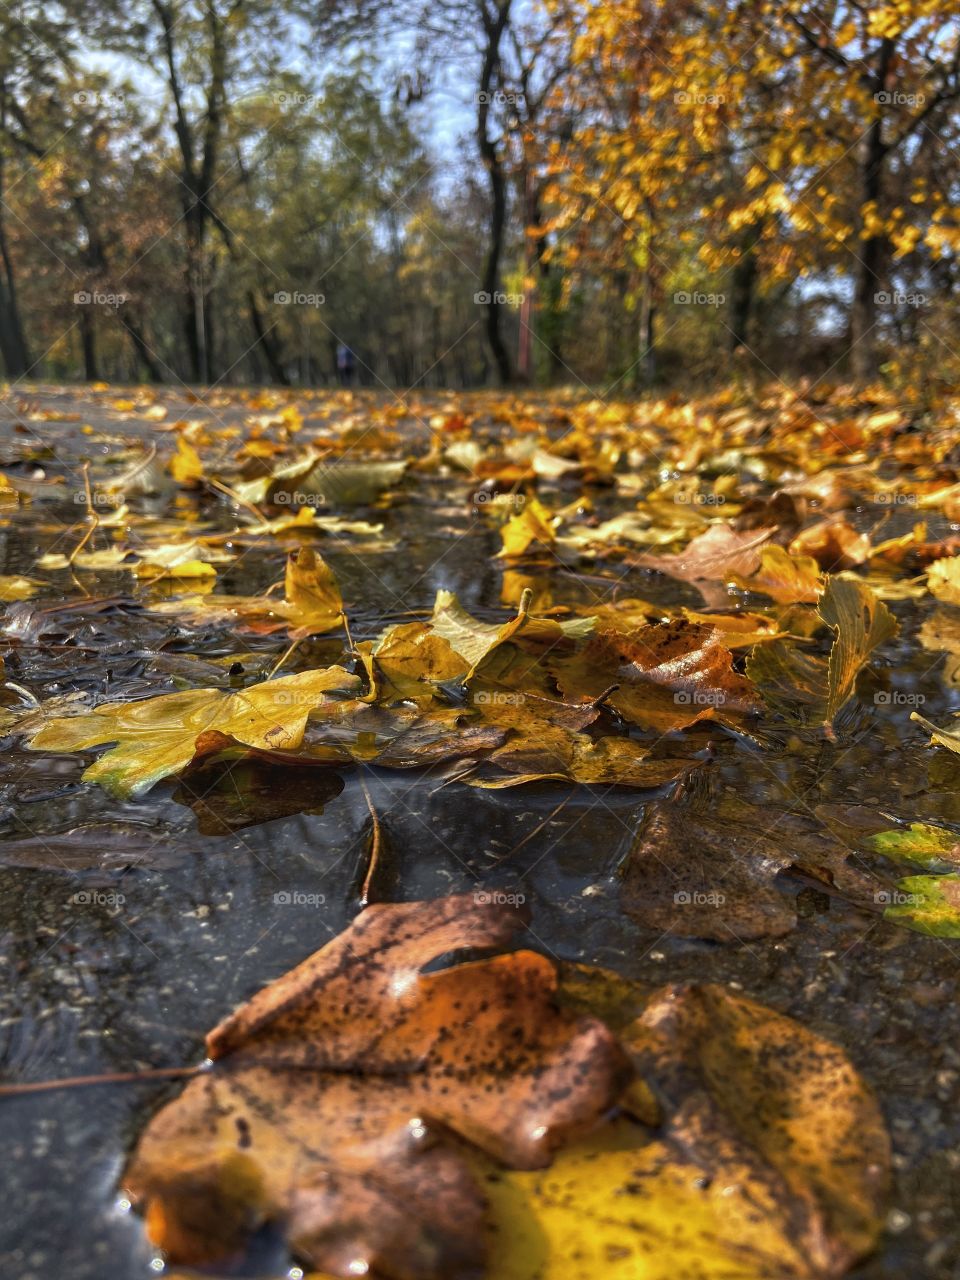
110	1077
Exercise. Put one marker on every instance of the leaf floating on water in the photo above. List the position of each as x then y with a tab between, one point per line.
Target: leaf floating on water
13	586
926	904
920	843
668	675
793	681
709	870
327	1110
160	736
771	1163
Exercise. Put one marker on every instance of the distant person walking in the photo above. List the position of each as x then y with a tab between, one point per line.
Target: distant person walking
346	365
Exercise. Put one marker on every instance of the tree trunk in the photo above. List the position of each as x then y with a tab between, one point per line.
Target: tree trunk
647	354
13	347
88	338
873	252
494	22
741	301
266	342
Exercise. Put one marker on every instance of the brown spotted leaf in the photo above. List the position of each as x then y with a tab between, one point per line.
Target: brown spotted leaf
333	1091
669	675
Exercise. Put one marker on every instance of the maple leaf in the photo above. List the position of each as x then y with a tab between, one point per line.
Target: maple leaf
769	1156
791	680
669	675
333	1089
161	736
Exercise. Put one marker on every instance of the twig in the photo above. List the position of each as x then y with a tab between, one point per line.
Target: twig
93	519
110	1077
375	849
284	656
239	500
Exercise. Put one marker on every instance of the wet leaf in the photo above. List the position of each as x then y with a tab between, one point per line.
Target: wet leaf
719	555
793	681
926	904
327	1109
771	1161
708	869
668	676
784	578
13	586
920	843
161	736
312	592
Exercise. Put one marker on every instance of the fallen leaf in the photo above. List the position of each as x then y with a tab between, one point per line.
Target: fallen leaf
709	869
669	675
160	736
771	1162
327	1109
791	680
926	904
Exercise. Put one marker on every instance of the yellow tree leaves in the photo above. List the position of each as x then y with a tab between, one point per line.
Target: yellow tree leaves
161	736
